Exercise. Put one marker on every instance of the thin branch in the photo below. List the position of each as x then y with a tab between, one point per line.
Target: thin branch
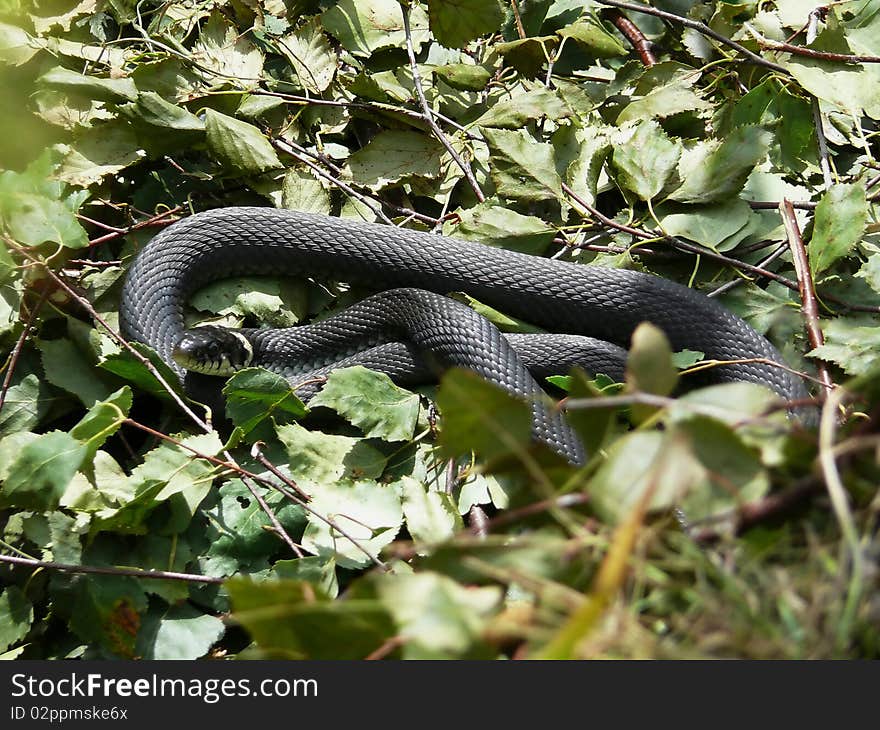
781	249
113	334
284	144
19	344
287	148
517	19
696	25
707	253
783	47
806	287
160	219
633	35
428	115
752	514
244	473
106	570
840	504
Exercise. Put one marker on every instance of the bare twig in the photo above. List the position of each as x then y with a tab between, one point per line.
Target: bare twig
19	344
633	35
707	253
286	147
478	521
517	19
781	249
107	570
763	510
696	25
160	219
783	47
428	115
113	334
806	288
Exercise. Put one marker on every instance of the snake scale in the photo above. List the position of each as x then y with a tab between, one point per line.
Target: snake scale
409	326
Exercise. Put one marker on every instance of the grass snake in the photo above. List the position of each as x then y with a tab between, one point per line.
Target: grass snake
409	327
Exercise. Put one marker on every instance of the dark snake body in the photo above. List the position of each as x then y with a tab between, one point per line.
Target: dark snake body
391	330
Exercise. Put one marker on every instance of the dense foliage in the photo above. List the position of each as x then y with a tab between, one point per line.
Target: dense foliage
381	522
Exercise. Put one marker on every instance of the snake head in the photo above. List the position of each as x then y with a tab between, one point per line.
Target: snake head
213	351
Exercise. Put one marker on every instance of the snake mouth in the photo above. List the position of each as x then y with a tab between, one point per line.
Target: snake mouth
212	350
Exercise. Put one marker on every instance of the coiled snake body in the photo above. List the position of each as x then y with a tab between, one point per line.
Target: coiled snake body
393	330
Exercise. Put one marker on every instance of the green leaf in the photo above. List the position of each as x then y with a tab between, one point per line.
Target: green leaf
649	367
311	56
686	359
33	211
850	342
372	402
436	617
639	461
480	416
239	147
528	55
318	571
645	163
393	155
589	33
455	23
257	399
240	540
122	89
364	26
852	89
66	367
523	169
127	366
666	100
431	516
302	191
515	112
320	459
498	226
16	616
107	609
41	471
463	76
184	633
369	513
98	152
710	225
839	225
103	420
16	45
717	170
27	401
291	619
221	47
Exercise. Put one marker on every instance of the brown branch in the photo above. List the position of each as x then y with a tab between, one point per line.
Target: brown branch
160	219
297	151
806	287
696	25
107	570
762	510
633	35
705	252
286	147
478	521
85	304
19	344
428	115
517	19
242	472
784	47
